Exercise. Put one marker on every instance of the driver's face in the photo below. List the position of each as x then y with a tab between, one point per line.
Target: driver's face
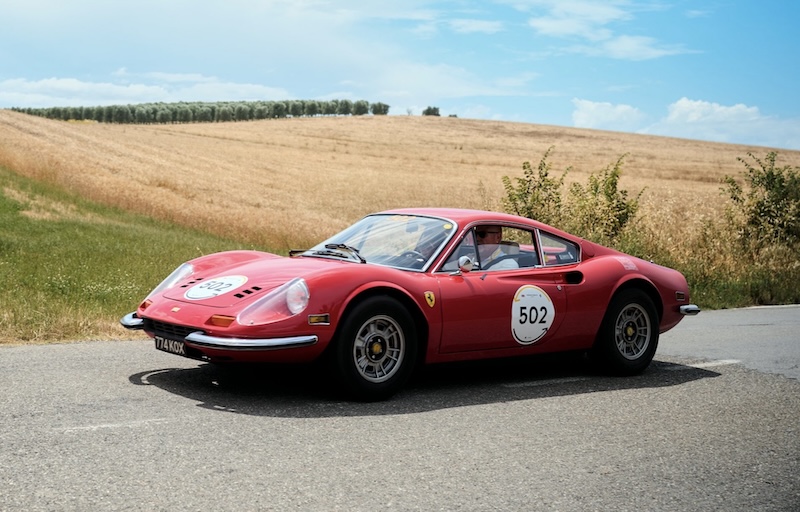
491	235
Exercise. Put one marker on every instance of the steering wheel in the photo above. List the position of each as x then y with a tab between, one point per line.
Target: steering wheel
412	259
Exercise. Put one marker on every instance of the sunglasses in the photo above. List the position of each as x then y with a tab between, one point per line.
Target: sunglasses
482	234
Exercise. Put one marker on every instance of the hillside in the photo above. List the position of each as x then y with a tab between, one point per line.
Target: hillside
291	182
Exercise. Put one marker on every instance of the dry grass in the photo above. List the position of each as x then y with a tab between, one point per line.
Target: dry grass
289	183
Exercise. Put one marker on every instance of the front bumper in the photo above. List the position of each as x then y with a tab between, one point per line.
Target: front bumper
199	338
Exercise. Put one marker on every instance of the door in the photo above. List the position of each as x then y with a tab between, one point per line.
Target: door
485	310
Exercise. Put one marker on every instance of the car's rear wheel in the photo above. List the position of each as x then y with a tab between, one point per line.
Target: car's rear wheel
375	350
628	337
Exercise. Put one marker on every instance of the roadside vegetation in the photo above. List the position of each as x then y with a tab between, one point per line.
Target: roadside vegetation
70	268
749	255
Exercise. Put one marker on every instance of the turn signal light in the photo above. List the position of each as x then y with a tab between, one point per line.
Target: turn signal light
221	320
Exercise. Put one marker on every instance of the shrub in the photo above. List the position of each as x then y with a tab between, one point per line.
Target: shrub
767	212
535	195
601	210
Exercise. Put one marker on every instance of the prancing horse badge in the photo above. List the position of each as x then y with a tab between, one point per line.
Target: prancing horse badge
429	297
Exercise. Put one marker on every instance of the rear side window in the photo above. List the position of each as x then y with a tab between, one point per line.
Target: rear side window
557	251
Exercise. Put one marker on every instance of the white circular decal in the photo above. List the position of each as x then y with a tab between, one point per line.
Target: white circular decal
214	287
532	314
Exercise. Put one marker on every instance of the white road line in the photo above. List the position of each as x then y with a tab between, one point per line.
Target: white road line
126	424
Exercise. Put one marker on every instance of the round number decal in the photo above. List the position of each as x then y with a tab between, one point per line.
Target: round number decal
532	314
214	287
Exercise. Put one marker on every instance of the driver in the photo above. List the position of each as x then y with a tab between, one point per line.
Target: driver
488	238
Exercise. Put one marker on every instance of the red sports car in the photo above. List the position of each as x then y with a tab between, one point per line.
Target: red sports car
417	286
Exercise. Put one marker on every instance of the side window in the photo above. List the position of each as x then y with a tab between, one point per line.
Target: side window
465	248
558	251
495	247
520	245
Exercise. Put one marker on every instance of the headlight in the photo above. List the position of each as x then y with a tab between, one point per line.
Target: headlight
176	276
282	302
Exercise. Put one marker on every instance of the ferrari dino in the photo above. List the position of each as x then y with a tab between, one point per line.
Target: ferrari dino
417	286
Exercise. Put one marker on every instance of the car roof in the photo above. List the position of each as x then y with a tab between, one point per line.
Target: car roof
465	216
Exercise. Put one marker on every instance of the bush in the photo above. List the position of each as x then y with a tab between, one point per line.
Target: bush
601	210
535	195
768	211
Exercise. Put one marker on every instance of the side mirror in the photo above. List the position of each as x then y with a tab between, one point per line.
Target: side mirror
465	264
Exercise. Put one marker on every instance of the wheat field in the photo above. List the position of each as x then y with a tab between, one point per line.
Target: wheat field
289	183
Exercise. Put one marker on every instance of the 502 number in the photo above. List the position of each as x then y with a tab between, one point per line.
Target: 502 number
533	315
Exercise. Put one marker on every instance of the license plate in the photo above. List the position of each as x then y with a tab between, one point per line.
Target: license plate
171	346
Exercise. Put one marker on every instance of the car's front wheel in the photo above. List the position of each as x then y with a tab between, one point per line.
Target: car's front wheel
628	337
375	350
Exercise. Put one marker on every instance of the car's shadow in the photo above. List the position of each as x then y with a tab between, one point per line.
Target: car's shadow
302	391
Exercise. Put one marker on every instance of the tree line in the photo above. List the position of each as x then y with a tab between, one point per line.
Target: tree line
208	112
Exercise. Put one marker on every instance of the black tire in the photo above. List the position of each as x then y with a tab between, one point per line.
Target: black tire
628	336
375	350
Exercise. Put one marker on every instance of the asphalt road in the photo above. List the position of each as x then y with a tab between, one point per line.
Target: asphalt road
714	424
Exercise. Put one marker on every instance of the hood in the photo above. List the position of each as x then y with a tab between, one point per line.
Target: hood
223	281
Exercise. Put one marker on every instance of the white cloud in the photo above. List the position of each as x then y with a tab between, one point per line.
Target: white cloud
593	23
635	48
70	92
693	119
740	124
465	26
606	116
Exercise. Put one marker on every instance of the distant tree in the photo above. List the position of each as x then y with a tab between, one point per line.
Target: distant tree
345	108
278	109
163	115
242	112
296	108
360	108
312	108
108	114
329	108
142	115
204	115
431	111
185	114
379	109
224	114
261	111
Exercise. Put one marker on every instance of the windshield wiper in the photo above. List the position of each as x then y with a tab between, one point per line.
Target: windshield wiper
344	247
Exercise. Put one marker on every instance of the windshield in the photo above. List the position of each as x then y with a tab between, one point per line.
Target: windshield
404	241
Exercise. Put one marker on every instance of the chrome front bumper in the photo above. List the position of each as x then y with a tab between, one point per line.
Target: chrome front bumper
204	340
131	321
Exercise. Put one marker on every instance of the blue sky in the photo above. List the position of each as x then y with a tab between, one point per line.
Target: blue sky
717	70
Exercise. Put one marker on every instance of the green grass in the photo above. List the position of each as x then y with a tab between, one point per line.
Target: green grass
70	269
